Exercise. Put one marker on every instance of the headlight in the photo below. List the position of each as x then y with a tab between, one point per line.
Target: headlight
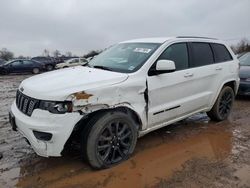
247	79
56	107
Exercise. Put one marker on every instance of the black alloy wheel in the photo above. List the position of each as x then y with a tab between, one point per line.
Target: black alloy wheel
114	142
223	105
108	139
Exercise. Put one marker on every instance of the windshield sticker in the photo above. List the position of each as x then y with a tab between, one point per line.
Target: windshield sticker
142	50
131	68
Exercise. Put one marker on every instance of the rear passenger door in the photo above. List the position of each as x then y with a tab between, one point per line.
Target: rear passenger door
224	66
205	73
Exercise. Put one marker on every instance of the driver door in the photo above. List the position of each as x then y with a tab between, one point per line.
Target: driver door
171	94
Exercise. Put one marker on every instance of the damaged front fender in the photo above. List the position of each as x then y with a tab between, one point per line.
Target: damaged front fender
129	94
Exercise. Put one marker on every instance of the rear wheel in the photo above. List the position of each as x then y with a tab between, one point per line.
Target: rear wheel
223	105
35	70
109	140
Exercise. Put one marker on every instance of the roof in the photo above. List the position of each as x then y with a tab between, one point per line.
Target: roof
164	39
150	40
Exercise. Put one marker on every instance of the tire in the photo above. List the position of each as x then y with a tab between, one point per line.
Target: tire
108	139
223	105
4	72
35	70
49	67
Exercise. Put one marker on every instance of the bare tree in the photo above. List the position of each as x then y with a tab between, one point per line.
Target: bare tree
46	52
56	53
242	46
6	54
68	54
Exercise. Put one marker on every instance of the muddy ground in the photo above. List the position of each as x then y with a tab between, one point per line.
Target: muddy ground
192	153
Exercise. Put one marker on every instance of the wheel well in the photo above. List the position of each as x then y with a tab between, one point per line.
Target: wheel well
76	133
125	110
231	84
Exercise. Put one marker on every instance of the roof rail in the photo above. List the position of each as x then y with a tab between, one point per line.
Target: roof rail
196	37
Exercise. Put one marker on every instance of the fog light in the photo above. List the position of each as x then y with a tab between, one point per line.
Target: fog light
42	135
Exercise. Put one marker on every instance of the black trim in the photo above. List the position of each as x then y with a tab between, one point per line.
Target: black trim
167	110
42	135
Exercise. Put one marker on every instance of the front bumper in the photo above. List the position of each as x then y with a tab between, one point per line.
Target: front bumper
59	125
244	88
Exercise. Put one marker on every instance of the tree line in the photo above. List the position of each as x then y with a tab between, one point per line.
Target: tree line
7	55
242	46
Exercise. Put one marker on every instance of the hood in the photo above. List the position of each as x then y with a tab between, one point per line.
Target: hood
244	72
58	85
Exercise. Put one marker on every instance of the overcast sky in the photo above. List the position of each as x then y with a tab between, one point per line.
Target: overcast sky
27	27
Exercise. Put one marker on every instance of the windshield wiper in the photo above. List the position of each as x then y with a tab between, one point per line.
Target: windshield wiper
102	67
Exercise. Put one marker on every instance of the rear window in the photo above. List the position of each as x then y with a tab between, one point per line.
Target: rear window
221	53
201	54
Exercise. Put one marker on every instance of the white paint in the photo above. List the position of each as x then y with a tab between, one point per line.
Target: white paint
193	90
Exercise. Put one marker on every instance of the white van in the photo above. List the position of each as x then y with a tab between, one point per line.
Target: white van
129	90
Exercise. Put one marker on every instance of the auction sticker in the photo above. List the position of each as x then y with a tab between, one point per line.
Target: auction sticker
142	50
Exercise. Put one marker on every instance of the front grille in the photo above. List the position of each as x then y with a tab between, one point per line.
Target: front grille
26	104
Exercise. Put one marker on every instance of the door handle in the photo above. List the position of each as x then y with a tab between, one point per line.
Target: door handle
218	68
187	75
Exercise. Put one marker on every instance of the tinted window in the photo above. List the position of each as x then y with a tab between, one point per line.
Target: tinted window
221	53
27	62
177	53
201	54
17	63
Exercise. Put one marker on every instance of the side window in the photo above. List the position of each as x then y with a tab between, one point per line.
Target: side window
27	62
74	61
83	60
221	53
177	53
17	63
201	54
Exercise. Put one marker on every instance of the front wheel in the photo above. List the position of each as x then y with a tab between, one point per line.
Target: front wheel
111	139
223	105
35	70
49	67
4	72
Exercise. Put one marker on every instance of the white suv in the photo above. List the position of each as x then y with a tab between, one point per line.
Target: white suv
129	90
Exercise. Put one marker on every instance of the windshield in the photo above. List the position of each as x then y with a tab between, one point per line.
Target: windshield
124	57
245	59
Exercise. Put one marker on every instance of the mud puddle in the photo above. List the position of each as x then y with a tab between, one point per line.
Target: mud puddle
193	153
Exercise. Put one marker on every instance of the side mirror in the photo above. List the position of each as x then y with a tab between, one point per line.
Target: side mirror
163	66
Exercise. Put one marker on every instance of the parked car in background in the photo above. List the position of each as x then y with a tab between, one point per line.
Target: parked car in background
2	61
244	88
72	62
125	92
49	62
21	66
